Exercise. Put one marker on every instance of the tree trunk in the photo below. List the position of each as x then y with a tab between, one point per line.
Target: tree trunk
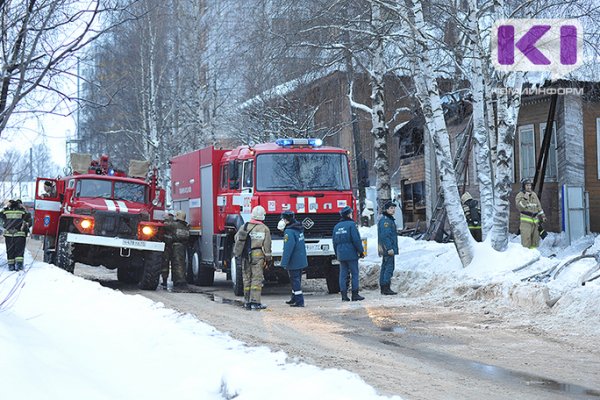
508	105
480	131
379	127
428	94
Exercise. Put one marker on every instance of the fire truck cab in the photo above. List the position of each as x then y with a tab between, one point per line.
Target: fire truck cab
219	188
99	216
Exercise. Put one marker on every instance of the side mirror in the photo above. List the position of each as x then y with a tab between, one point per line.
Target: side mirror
68	194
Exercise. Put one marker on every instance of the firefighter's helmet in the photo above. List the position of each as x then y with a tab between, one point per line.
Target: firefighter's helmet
466	197
180	215
525	181
258	213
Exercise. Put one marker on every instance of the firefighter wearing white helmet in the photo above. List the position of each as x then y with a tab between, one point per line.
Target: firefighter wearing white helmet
176	238
253	245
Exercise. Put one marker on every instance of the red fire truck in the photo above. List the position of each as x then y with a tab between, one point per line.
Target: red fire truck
99	216
218	189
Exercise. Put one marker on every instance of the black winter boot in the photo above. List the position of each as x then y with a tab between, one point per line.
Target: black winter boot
19	266
345	296
292	300
387	291
384	288
11	267
356	296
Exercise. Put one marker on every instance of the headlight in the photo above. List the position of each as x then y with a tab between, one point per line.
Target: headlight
84	225
147	230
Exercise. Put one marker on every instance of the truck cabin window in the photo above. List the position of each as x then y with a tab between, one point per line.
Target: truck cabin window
93	188
130	192
302	171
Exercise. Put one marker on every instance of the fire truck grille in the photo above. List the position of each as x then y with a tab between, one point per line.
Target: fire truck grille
315	225
111	224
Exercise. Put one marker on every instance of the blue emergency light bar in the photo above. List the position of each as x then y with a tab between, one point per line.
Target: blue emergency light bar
299	142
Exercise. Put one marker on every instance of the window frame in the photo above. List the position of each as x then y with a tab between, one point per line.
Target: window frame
525	128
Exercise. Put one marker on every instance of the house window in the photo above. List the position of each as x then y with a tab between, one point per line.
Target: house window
411	143
526	152
551	169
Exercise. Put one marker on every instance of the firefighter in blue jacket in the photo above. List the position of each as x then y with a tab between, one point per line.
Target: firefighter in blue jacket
387	237
16	221
348	249
293	258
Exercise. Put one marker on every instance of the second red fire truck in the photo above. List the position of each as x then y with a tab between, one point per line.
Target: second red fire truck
218	189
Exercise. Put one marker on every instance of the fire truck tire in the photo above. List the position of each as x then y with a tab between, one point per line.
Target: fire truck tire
151	273
128	274
206	276
192	274
49	253
333	279
64	253
236	276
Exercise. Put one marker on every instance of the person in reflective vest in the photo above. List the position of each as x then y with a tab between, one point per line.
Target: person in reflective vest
531	215
258	243
16	220
176	238
472	214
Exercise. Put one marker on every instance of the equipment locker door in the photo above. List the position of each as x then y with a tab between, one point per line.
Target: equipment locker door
207	208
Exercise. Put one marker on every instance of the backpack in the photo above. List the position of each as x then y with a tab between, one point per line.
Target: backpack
243	246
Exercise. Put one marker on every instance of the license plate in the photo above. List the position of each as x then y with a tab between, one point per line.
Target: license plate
138	243
313	247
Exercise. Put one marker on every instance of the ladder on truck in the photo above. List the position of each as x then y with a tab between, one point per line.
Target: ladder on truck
436	230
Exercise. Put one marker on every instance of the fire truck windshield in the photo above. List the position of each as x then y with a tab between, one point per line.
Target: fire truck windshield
302	171
104	188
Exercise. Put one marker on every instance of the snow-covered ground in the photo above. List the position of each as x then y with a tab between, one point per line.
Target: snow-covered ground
62	337
544	284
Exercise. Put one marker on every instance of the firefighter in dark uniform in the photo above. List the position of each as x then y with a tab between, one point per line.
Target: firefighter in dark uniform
472	214
387	238
176	238
293	258
348	249
255	261
532	214
16	221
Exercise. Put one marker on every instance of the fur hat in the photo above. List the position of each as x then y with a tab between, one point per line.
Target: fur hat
388	204
345	211
288	215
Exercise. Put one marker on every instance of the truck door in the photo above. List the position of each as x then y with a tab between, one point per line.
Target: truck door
47	207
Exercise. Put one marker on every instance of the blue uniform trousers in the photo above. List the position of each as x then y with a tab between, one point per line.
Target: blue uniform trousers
296	281
387	270
349	266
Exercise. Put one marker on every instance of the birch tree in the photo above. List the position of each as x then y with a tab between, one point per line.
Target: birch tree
38	43
428	95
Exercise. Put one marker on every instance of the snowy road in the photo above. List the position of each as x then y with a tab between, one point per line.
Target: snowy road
403	346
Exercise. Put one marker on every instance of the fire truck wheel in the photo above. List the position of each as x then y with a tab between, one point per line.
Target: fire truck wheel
128	274
151	274
49	253
192	274
64	253
333	279
236	276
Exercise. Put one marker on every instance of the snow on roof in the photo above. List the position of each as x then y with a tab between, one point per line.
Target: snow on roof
290	86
